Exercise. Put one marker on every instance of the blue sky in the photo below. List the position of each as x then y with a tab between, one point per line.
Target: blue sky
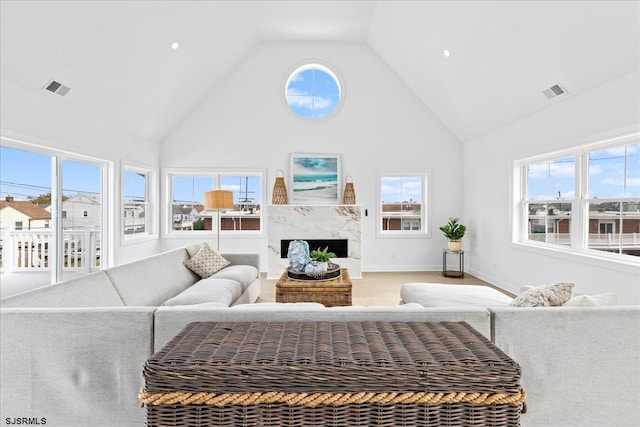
397	189
313	93
24	174
606	175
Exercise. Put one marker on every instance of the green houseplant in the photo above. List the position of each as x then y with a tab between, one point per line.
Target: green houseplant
454	231
322	257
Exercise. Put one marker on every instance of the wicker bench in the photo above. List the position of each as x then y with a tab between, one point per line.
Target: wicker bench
331	374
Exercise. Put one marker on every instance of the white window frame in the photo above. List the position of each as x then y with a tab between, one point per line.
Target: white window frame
424	211
215	174
150	203
580	215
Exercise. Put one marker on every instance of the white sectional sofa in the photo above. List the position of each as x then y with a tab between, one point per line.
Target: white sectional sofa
580	365
73	353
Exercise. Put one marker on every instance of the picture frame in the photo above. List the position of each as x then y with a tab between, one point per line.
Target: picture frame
315	179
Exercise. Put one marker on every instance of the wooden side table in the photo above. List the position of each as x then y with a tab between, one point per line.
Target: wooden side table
330	293
447	272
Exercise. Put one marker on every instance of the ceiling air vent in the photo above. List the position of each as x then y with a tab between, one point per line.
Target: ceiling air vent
553	91
57	88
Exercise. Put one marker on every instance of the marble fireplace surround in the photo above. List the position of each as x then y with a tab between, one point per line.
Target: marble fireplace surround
290	222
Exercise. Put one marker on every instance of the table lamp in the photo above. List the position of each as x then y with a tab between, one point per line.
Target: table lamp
218	199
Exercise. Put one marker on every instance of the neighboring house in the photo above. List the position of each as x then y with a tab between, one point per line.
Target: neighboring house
22	215
184	216
81	211
402	216
135	217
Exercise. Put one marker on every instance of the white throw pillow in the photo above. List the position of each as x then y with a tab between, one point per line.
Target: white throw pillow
593	300
206	262
544	296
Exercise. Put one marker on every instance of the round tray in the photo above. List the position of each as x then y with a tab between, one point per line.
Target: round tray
333	272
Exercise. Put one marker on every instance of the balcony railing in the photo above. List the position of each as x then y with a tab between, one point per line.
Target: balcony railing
28	250
625	241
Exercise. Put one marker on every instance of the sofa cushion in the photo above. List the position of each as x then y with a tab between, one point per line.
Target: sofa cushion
544	296
593	300
92	290
243	274
443	295
151	281
210	290
206	262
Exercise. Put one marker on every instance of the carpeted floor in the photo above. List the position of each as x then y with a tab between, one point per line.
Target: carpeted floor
382	288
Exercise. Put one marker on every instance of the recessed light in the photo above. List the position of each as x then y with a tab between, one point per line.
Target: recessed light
446	53
175	45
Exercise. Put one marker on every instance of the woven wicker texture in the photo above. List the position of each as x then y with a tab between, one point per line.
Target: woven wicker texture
331	373
330	293
280	195
349	195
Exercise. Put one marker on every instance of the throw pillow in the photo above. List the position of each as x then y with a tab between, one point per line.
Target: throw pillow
206	262
593	300
544	296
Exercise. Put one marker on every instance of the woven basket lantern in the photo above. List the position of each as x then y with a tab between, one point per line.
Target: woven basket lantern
280	196
349	196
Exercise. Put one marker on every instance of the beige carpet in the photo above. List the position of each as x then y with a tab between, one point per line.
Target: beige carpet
383	288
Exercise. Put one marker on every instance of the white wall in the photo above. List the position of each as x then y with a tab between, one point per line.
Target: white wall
382	126
609	110
43	119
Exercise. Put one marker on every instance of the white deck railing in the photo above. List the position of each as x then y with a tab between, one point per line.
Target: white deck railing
596	241
28	250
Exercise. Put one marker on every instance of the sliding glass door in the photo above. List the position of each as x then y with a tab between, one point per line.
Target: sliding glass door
51	215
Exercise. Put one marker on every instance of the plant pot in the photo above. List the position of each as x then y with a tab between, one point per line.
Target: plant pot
455	245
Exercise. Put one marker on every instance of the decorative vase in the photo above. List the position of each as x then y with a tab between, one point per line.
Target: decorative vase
455	245
349	196
280	195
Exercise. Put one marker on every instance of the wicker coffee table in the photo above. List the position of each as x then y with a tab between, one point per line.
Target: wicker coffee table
331	374
330	293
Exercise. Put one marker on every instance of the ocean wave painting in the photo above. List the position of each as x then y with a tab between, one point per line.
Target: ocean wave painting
315	178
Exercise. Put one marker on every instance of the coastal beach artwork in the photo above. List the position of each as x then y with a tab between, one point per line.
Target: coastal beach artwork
315	179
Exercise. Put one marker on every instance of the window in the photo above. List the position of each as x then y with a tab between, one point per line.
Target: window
64	214
402	204
136	203
85	213
550	188
188	212
313	91
18	225
587	198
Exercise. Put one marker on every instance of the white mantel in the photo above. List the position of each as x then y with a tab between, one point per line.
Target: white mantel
288	222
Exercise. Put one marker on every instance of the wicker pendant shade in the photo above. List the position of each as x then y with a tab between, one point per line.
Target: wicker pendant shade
349	196
280	195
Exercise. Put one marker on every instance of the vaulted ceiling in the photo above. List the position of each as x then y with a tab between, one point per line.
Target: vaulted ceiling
117	59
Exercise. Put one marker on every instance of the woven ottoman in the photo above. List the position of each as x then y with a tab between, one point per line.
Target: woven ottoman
331	374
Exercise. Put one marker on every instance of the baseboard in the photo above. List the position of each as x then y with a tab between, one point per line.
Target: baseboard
399	268
494	281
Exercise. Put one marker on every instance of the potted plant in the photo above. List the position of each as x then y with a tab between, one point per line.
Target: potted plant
322	257
454	231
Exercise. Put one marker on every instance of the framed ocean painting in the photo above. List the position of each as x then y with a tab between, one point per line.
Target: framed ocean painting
315	179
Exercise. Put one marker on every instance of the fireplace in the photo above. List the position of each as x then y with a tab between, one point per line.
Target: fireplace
336	226
340	247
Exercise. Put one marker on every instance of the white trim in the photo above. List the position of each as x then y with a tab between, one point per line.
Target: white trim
166	215
425	206
579	231
324	66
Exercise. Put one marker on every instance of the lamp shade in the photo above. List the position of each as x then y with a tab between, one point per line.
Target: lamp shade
218	199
